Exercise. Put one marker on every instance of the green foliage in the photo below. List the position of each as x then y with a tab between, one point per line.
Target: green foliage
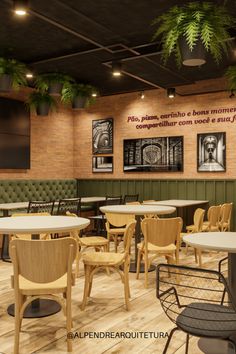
43	81
231	76
193	21
36	98
71	91
15	69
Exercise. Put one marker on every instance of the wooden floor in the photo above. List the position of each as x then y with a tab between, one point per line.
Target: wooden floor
105	312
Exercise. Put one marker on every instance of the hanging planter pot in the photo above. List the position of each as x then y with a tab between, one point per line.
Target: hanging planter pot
41	102
194	57
5	83
79	95
43	109
79	102
195	21
52	83
55	89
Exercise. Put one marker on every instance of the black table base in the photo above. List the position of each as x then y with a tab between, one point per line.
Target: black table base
38	308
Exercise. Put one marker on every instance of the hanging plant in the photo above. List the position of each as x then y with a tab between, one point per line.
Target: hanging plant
231	76
79	95
52	83
41	102
192	26
12	74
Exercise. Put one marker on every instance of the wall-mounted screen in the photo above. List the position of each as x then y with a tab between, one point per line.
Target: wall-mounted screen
163	154
211	152
14	135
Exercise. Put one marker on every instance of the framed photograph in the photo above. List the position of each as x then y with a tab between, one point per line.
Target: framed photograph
154	154
211	152
102	136
103	164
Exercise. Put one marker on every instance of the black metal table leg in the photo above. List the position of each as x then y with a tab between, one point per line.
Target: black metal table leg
5	243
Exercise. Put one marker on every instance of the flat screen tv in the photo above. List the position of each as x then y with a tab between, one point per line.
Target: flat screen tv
14	135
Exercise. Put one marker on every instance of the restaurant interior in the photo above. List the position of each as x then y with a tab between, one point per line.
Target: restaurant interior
117	177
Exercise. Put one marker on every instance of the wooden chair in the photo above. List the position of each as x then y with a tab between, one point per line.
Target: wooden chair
51	278
196	227
119	262
213	219
99	243
28	236
40	207
161	238
225	216
116	226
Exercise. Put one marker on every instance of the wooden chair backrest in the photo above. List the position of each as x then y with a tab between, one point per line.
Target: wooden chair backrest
42	261
198	219
226	212
213	215
129	232
119	220
162	232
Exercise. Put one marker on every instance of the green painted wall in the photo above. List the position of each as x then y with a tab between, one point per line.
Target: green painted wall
216	191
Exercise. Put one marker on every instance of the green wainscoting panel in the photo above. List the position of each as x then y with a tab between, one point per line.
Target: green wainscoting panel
216	191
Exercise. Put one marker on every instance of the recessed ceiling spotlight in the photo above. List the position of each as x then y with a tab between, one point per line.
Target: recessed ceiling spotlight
29	75
116	68
20	7
142	95
94	94
171	92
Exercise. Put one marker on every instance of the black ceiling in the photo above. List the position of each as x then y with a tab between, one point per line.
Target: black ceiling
81	38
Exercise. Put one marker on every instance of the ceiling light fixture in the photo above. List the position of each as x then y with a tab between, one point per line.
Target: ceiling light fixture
94	94
29	75
20	7
116	68
171	92
142	95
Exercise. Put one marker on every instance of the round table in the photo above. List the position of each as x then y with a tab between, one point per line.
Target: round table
36	225
217	241
138	210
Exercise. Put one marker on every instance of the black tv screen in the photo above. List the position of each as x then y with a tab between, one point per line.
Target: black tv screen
14	135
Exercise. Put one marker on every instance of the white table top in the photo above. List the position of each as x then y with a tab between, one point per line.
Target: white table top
24	205
137	209
218	241
41	224
178	203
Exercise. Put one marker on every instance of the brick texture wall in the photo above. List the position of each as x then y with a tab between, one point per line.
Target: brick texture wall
120	107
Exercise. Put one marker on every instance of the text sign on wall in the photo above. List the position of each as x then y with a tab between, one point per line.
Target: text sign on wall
216	115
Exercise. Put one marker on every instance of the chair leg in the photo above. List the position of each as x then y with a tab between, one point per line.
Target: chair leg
138	264
187	344
87	271
116	243
68	322
126	286
169	339
199	253
146	270
17	325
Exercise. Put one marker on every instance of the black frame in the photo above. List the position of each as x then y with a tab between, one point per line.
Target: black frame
97	151
224	157
155	170
98	157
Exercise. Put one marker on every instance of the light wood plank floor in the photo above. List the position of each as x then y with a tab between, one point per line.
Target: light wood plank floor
105	312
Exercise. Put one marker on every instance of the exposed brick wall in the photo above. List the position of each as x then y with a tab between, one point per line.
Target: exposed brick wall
155	103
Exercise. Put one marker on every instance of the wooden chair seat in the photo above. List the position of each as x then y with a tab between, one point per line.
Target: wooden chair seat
153	248
93	241
28	287
118	231
205	227
103	258
190	228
